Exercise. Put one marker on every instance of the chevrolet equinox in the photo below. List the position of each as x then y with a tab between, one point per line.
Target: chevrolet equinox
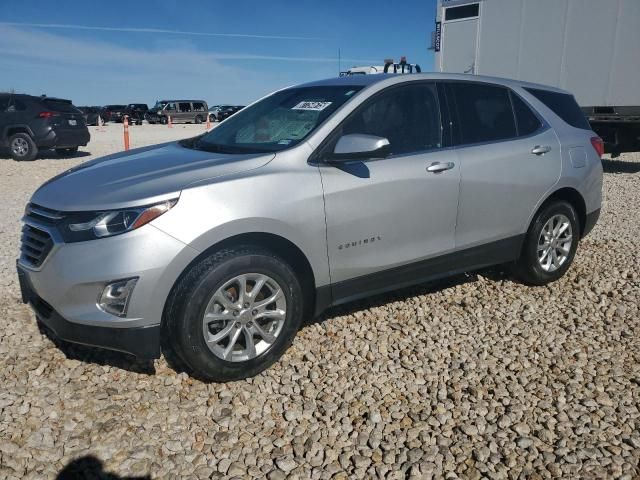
316	195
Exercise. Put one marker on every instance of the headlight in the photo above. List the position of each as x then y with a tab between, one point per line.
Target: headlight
91	225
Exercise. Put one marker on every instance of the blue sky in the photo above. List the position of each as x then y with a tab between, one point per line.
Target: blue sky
222	51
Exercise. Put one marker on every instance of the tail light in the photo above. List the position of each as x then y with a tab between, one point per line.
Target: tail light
48	114
598	145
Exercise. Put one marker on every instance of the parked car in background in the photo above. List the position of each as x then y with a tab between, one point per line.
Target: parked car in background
180	111
113	113
29	124
317	195
91	114
215	110
227	112
137	112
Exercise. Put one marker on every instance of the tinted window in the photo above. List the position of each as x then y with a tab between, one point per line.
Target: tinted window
4	103
407	116
184	107
484	113
465	11
59	106
563	105
526	120
171	106
198	107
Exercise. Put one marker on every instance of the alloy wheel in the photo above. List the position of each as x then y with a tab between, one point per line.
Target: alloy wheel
19	147
554	243
244	317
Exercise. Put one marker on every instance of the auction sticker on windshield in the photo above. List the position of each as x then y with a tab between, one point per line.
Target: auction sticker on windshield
316	106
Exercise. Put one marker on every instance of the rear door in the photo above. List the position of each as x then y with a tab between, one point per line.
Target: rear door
385	215
509	160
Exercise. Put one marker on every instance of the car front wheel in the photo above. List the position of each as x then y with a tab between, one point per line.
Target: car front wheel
234	313
550	244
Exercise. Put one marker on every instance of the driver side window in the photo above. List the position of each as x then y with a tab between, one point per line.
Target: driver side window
408	116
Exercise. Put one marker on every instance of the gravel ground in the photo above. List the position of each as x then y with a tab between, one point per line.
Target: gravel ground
476	377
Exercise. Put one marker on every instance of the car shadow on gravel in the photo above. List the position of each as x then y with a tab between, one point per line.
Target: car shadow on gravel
89	467
620	166
99	356
497	273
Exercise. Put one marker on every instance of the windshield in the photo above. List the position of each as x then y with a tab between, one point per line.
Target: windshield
279	121
159	105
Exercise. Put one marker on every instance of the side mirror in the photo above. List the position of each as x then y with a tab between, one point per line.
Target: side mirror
359	146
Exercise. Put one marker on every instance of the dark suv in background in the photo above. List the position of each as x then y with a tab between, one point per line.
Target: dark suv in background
113	113
29	124
137	112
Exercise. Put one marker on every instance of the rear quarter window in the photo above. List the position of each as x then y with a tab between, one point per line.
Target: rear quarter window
563	105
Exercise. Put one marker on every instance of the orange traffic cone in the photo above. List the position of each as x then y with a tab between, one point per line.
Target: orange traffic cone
169	122
208	122
125	123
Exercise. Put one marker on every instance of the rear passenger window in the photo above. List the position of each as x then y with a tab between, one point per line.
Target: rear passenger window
484	113
407	116
526	121
184	107
563	105
198	107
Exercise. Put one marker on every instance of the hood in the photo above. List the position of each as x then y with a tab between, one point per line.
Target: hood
139	177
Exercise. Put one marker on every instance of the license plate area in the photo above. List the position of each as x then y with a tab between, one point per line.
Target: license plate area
73	122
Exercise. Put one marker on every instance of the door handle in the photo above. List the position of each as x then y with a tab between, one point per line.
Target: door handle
540	150
437	167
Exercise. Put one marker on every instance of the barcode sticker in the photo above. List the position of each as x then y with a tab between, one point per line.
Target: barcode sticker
315	106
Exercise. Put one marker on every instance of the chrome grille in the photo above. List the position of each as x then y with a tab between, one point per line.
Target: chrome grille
36	245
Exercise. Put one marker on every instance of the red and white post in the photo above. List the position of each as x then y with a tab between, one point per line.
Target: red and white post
125	123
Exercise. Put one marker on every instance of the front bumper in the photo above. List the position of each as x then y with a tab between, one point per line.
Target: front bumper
143	342
65	288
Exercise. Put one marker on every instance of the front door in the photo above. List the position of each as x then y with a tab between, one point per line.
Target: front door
384	214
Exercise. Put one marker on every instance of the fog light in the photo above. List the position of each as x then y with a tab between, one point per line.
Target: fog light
115	296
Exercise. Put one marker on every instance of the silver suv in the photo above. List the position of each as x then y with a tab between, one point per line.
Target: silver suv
316	195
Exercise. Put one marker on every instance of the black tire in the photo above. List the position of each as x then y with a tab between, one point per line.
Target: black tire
198	119
163	120
528	267
22	147
67	152
187	304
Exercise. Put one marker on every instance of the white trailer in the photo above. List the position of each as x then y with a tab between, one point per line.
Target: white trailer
588	47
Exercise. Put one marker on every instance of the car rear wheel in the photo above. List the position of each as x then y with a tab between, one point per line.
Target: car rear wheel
22	147
234	313
550	244
67	152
